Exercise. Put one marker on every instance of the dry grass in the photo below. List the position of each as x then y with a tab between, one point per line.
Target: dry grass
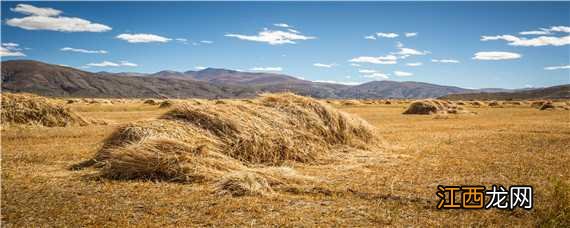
364	188
28	109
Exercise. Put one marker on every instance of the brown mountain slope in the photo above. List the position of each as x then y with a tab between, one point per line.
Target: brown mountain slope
554	92
54	80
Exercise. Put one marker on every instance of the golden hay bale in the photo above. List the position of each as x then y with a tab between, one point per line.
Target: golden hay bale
350	102
460	103
476	103
35	110
220	102
546	106
423	107
431	106
151	102
243	183
537	104
203	142
495	104
387	102
166	104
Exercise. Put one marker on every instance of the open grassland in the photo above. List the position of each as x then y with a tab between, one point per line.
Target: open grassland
393	185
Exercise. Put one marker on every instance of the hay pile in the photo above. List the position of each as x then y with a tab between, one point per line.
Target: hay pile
151	102
547	106
494	104
350	102
204	143
538	104
30	109
166	104
431	106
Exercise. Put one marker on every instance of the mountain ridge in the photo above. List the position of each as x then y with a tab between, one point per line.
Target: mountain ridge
56	80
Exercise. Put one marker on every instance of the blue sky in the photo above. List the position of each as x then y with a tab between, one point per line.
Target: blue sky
466	44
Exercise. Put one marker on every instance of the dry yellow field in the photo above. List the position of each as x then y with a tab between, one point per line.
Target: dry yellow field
395	185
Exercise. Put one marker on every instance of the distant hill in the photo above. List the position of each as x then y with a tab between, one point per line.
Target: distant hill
392	89
54	80
554	92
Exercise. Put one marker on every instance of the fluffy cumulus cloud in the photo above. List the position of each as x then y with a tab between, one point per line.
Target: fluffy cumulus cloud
373	74
496	55
206	41
406	52
143	38
323	65
10	50
388	59
411	34
445	61
270	69
200	67
387	35
282	25
371	37
557	67
273	37
402	73
546	37
49	19
414	64
80	50
112	64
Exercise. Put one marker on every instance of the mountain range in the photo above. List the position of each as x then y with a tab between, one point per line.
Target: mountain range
61	81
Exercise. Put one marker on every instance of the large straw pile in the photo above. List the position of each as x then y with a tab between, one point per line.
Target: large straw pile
431	106
30	109
207	142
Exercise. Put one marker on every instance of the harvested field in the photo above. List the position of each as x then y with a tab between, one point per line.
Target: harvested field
198	180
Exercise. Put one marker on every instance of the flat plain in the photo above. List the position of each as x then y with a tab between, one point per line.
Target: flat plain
393	185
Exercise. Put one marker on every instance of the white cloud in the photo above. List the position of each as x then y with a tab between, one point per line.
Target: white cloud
414	64
533	42
200	67
399	44
371	37
5	52
411	34
366	71
387	35
129	64
405	52
182	40
323	65
282	25
206	41
142	38
338	82
293	30
560	29
376	75
389	59
80	50
355	64
32	10
49	19
112	64
496	55
266	69
273	37
557	67
10	45
535	32
445	61
402	74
